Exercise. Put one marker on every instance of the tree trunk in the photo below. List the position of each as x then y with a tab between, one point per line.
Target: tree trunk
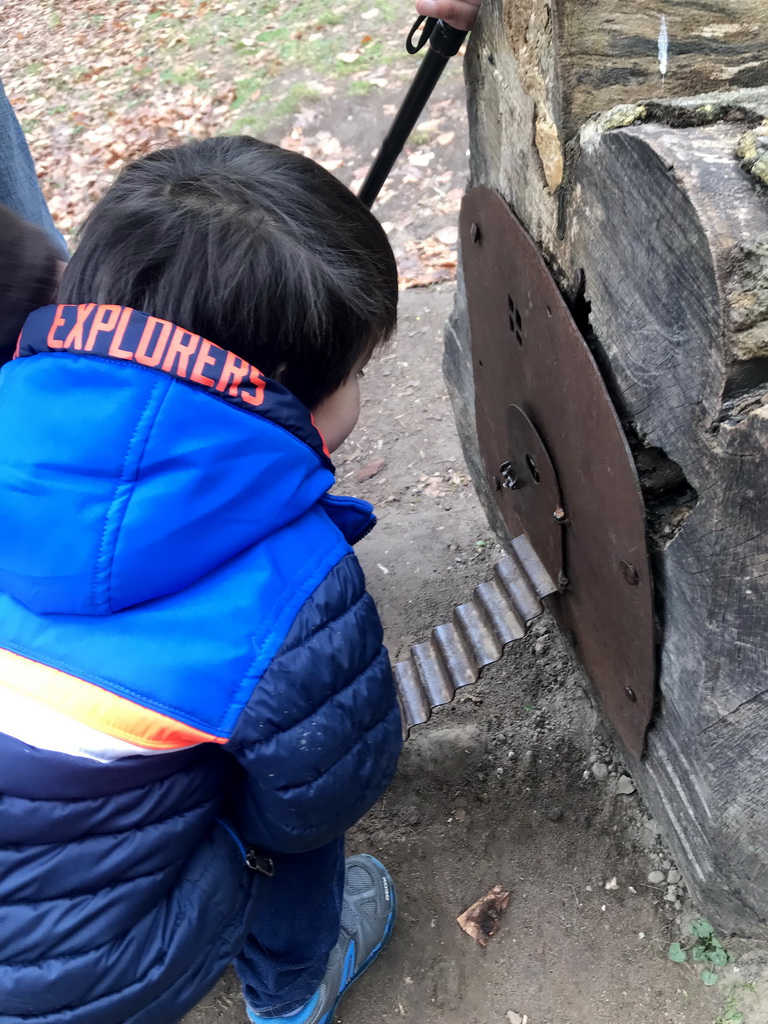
658	234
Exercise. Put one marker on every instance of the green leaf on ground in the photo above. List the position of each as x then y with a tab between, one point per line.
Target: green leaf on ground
701	929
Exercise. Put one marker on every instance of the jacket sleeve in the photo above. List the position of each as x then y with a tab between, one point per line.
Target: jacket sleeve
28	275
320	736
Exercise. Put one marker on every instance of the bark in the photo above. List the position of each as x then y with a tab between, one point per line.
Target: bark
656	227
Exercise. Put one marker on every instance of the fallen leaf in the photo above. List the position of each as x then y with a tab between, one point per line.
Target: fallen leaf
445	139
370	469
515	1018
348	58
421	159
483	919
372	13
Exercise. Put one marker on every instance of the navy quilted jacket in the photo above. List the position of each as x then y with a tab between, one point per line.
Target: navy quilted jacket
190	665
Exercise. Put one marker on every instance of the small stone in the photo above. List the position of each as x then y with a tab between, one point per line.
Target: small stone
656	878
625	786
540	647
600	771
555	814
612	884
411	815
674	876
460	814
670	897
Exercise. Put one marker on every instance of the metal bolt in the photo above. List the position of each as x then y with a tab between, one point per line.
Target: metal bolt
630	573
507	470
630	694
560	516
563	581
532	468
474	233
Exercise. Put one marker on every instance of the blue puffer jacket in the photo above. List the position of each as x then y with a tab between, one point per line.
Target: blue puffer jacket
190	664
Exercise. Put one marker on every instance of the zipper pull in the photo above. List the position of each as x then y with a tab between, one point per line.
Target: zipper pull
259	862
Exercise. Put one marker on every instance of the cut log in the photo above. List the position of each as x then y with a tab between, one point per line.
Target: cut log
676	272
658	235
539	69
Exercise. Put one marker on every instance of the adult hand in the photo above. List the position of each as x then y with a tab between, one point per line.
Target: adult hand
461	14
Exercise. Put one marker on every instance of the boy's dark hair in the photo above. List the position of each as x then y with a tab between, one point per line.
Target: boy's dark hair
256	248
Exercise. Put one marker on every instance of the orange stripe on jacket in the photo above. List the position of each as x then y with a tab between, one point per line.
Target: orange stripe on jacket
98	708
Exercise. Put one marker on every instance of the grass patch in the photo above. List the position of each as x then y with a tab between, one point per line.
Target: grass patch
419	137
255	117
361	88
180	75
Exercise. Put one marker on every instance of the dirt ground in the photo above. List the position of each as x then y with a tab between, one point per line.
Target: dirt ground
492	791
515	784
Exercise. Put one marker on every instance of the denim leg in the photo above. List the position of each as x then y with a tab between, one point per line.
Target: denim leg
297	924
19	187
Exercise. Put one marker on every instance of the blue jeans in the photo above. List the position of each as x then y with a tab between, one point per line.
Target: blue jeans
19	187
296	927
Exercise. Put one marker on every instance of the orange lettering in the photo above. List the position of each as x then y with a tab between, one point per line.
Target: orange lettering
105	320
75	337
233	374
183	351
142	349
58	321
122	323
325	446
258	381
114	346
203	359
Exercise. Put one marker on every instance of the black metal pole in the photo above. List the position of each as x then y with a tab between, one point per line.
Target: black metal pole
444	42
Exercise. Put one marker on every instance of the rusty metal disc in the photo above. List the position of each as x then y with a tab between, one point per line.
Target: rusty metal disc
537	497
528	352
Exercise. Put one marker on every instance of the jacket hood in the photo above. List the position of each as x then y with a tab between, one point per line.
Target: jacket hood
135	457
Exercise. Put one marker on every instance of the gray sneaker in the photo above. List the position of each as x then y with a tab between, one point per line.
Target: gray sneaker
367	918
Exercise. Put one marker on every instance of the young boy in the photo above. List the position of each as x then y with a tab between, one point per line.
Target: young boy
195	703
